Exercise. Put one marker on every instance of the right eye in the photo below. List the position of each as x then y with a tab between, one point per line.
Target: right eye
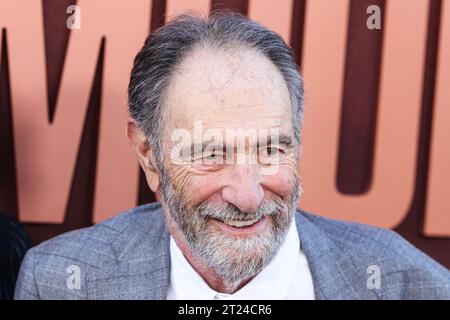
213	157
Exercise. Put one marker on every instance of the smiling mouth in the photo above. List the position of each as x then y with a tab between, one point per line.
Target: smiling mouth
241	228
242	224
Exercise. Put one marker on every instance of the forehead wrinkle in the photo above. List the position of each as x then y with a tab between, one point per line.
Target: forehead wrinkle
194	94
210	71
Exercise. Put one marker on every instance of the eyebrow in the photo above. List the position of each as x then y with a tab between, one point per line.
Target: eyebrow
283	140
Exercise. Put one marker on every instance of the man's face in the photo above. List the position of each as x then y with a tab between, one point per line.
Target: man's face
232	197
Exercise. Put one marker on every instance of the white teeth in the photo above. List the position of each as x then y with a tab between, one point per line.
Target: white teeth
236	223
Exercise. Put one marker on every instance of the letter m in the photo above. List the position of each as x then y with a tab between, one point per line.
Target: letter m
46	152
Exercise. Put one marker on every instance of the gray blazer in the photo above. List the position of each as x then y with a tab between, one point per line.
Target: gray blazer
127	257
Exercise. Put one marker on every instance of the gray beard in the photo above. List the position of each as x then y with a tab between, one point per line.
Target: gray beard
233	259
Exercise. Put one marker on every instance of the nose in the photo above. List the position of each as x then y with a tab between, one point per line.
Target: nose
244	189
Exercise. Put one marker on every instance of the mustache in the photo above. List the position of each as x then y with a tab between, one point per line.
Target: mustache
228	211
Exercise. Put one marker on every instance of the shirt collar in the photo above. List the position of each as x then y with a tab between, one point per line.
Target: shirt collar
271	283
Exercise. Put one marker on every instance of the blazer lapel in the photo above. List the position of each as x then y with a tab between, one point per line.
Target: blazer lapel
335	275
142	269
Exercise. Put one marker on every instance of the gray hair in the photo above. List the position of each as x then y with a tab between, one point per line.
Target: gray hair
164	50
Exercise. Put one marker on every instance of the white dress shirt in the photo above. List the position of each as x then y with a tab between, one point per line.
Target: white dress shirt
286	277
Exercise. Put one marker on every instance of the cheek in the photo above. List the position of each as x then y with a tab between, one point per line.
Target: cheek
203	187
279	184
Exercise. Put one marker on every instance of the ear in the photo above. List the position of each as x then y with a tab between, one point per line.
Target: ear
139	142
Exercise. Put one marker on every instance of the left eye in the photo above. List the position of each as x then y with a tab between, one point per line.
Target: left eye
270	155
271	151
211	156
